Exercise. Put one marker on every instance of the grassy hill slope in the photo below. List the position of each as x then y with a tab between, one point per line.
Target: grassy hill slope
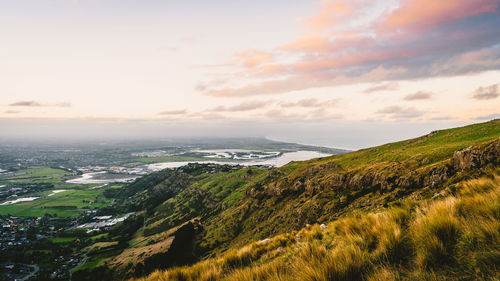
454	238
220	211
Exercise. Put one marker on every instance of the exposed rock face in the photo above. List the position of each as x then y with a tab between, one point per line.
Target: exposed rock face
474	157
384	178
180	252
437	175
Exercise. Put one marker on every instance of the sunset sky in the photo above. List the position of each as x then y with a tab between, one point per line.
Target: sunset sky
297	70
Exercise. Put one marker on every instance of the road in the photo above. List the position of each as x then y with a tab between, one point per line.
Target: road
77	266
35	270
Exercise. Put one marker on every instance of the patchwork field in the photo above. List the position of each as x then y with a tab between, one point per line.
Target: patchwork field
62	199
36	175
63	204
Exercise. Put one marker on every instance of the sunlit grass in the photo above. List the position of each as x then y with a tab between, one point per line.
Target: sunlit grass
457	237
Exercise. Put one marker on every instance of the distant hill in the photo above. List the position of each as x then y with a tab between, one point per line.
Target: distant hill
421	209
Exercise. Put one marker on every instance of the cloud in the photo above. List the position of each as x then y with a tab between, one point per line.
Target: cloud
422	15
262	88
317	114
12	111
39	104
26	103
245	106
346	42
206	116
204	86
486	93
312	102
252	58
391	86
418	96
173	112
488	117
276	113
330	14
441	118
61	104
398	112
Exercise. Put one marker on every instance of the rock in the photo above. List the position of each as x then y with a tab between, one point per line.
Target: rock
298	237
310	187
273	190
338	180
437	196
298	186
473	156
264	242
322	226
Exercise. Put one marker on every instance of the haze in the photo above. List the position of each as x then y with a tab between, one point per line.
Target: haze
337	73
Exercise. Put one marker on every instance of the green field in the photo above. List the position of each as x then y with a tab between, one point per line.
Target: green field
65	204
62	239
75	198
36	175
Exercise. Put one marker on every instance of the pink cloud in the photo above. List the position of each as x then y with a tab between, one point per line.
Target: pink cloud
330	14
421	15
312	44
252	58
416	39
382	87
418	96
398	112
173	112
487	93
311	102
245	106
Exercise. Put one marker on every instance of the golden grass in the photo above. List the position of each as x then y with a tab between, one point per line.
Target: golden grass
435	231
457	238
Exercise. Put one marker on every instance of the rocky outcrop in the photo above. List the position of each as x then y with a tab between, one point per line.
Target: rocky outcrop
382	176
475	157
180	252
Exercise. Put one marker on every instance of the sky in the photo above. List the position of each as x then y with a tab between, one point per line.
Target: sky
338	73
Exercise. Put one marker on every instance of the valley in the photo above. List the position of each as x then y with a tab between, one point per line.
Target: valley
234	221
61	199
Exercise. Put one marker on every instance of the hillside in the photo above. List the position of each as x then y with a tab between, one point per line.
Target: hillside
202	211
455	238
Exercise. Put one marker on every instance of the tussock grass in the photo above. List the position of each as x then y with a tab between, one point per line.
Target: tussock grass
456	238
384	273
435	231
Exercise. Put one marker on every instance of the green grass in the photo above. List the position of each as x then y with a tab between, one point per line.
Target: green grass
36	175
99	236
430	149
91	263
229	186
454	238
65	204
237	207
75	186
62	239
68	203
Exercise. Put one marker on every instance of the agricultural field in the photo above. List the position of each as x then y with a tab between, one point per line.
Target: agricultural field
36	175
42	190
68	203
